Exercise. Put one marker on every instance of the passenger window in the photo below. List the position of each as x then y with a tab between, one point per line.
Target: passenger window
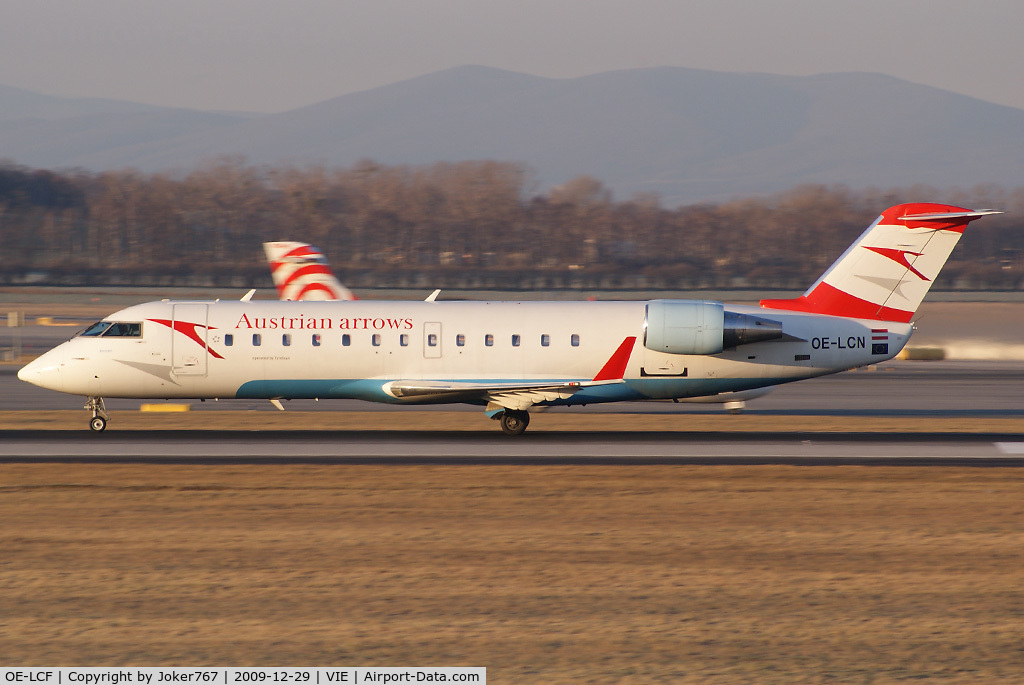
257	339
229	339
286	339
403	340
460	340
375	340
545	340
489	340
316	340
346	340
515	340
432	339
575	339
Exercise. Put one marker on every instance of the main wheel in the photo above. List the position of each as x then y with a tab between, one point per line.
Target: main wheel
98	424
514	422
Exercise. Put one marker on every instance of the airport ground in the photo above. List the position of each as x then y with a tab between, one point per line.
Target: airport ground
542	572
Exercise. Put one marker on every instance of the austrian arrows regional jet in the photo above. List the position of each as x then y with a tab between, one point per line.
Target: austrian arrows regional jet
510	356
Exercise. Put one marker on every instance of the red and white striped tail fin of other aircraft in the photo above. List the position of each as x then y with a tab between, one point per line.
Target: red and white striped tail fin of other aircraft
301	272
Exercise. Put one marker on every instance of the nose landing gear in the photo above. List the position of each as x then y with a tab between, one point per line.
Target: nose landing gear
99	419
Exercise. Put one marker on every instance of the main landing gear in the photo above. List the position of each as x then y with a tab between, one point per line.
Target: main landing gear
514	421
99	419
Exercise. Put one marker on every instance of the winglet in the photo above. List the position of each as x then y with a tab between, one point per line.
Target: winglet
615	368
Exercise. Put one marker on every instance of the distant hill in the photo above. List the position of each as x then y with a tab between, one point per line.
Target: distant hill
54	132
687	135
17	104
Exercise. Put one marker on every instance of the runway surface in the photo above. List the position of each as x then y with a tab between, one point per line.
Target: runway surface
897	388
365	447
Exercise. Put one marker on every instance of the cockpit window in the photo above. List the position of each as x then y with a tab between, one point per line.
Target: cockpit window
124	330
114	330
96	329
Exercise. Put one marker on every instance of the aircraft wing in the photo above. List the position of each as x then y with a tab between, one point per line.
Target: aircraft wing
512	395
508	395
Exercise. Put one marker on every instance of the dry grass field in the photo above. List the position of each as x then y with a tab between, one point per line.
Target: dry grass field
541	574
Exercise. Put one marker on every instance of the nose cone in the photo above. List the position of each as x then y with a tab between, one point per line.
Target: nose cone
44	372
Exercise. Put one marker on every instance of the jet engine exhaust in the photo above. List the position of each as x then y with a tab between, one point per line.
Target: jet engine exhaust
744	329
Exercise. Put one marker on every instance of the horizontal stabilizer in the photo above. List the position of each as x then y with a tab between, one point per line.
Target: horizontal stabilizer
946	216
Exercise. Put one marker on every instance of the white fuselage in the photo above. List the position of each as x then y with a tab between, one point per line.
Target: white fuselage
272	349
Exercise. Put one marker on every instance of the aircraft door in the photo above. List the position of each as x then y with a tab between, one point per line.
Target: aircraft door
189	340
432	340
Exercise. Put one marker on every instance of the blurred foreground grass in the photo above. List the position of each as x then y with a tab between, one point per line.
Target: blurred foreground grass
541	574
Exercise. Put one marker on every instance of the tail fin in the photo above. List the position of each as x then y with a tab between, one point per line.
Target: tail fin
301	272
886	273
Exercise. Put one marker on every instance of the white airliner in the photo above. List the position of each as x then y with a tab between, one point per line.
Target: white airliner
301	272
510	356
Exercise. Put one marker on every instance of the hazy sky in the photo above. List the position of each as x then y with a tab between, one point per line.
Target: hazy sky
274	55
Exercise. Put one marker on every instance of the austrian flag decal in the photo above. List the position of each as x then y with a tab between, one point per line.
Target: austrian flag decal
879	341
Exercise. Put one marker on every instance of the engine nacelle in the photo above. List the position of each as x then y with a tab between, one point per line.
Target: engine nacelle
684	326
702	327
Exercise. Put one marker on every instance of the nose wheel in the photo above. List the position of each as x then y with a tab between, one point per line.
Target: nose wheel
99	419
514	422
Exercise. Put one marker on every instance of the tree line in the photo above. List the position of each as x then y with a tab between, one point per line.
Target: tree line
454	225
